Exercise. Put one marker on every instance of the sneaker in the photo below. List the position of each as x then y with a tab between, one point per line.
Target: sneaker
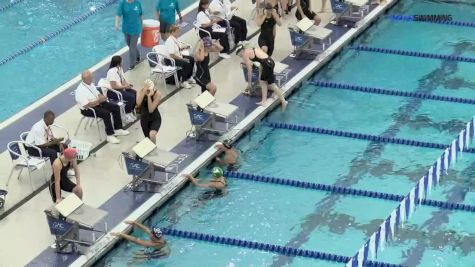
121	132
131	67
71	172
191	80
112	139
129	117
224	55
186	85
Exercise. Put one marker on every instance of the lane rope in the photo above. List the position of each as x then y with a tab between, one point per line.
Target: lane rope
51	35
382	91
283	250
361	136
411	53
345	190
10	5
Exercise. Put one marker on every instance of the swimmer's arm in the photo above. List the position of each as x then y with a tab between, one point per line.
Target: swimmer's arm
57	180
260	19
137	241
276	17
76	173
299	8
194	181
142	227
200	52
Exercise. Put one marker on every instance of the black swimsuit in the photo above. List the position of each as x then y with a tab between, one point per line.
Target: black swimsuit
267	65
306	11
65	183
202	75
149	121
267	37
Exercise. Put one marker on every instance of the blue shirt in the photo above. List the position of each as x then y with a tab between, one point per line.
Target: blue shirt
132	17
167	10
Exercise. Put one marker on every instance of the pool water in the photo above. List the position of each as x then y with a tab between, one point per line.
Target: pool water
333	223
52	64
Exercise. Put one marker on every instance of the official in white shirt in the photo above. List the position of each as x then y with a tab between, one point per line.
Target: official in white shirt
174	49
89	98
206	22
116	79
223	10
41	136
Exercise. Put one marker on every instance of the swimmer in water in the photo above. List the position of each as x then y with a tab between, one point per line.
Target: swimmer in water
218	183
155	247
230	154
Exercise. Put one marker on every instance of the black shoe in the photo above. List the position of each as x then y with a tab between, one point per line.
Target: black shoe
131	67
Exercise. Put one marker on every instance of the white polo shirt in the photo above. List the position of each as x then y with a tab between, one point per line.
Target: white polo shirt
85	94
172	46
116	75
203	17
39	134
221	6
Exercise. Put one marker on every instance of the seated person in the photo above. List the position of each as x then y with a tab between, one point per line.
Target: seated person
202	75
174	48
116	79
218	183
88	97
230	154
249	55
156	246
222	9
59	178
206	23
303	9
268	20
41	136
150	118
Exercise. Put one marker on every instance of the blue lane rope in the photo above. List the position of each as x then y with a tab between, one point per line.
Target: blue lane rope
381	91
410	18
51	35
368	137
283	250
10	5
411	53
345	190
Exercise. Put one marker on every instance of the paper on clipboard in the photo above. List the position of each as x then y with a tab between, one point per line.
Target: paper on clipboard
144	147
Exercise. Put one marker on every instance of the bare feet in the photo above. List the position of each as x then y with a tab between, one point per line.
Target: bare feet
261	103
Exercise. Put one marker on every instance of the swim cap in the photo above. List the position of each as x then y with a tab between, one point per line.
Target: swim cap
149	83
227	143
70	153
217	172
157	232
207	42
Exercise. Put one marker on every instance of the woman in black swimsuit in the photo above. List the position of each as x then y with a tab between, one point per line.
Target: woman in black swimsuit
202	75
267	21
267	79
150	118
59	179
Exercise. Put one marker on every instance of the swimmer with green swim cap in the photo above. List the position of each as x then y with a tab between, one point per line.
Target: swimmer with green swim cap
218	183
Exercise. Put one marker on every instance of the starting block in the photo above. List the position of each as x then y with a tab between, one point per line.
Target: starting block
304	33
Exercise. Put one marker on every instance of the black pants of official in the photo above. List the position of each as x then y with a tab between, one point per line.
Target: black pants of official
128	95
104	112
222	37
50	152
186	66
239	26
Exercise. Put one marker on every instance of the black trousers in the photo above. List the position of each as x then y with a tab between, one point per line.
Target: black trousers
104	112
129	96
51	152
186	65
240	28
222	37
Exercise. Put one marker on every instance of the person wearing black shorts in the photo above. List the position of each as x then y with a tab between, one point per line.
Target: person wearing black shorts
150	118
267	64
59	178
303	9
267	21
202	75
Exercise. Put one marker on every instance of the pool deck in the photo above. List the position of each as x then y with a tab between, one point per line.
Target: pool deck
137	206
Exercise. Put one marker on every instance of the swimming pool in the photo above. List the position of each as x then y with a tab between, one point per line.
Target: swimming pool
335	223
52	64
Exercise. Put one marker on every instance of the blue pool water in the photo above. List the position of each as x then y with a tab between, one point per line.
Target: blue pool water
57	61
333	223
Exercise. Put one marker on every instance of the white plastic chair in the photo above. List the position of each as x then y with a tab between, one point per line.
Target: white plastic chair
159	69
22	160
104	88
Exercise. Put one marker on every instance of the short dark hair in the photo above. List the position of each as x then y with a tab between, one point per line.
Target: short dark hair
48	114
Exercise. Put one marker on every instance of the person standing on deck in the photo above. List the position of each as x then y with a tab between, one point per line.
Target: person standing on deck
166	15
131	12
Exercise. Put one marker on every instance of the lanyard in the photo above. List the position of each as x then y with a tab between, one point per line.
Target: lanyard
88	88
122	79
